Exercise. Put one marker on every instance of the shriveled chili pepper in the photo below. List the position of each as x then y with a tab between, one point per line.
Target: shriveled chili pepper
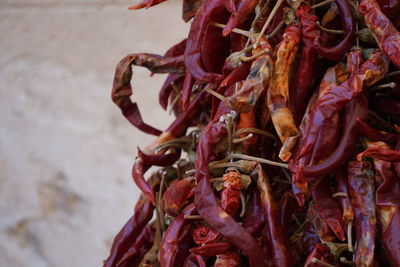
167	88
371	71
278	90
357	108
189	8
169	250
243	9
187	86
210	11
328	209
382	29
280	251
380	153
320	252
344	199
176	195
376	135
137	250
389	218
131	230
361	186
206	202
349	26
257	80
194	260
320	227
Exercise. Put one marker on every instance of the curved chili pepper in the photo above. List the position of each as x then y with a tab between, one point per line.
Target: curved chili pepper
376	135
280	251
210	11
257	80
344	201
189	9
177	49
136	252
176	195
206	202
383	31
146	4
122	89
187	87
357	108
231	6
349	26
195	261
160	160
278	90
380	153
169	250
320	252
243	9
166	88
131	230
361	185
371	71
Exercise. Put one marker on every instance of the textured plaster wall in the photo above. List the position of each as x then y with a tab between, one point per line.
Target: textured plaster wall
65	150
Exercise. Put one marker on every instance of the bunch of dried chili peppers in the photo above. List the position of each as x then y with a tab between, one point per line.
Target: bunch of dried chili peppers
285	149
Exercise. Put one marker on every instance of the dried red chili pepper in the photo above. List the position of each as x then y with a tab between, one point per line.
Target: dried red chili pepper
382	29
376	135
146	4
131	230
194	261
170	252
189	8
349	26
389	218
344	199
320	252
371	71
361	186
281	253
243	9
229	259
210	11
230	197
328	209
260	72
176	195
380	153
167	88
137	250
278	90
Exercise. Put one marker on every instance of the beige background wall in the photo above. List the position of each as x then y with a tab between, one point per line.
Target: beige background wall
65	150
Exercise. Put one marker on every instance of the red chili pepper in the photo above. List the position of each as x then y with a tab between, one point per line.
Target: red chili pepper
230	197
210	11
328	209
229	259
243	9
189	9
361	185
187	87
390	234
349	26
255	84
170	252
320	227
357	108
167	88
195	261
380	153
320	252
280	251
254	219
383	31
331	102
131	230
231	6
160	160
137	250
176	195
344	200
376	135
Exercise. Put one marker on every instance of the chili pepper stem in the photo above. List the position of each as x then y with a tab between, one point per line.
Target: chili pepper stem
346	262
386	85
269	19
255	131
235	30
350	237
253	57
340	194
261	160
243	201
193	217
315	260
323	3
329	30
393	73
239	140
212	92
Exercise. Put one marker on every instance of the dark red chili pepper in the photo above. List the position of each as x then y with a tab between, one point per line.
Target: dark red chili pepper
210	11
212	249
254	219
310	238
194	260
380	153
328	209
344	200
170	254
320	252
146	4
176	195
390	233
160	160
243	9
349	26
229	259
320	227
376	135
231	6
361	185
189	8
382	29
280	251
131	230
357	108
187	87
167	88
371	71
137	250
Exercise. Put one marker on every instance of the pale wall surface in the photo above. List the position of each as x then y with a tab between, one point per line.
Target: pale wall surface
65	150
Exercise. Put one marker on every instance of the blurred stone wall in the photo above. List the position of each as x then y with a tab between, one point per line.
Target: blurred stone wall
65	149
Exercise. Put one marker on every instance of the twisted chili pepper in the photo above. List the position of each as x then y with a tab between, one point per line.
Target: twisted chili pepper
243	9
383	31
278	90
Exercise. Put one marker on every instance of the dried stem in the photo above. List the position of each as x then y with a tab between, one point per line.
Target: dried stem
350	237
269	19
243	201
329	30
193	217
323	3
315	260
255	131
235	30
239	140
212	92
340	194
261	160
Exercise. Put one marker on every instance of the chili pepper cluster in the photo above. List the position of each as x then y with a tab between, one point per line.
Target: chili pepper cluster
285	150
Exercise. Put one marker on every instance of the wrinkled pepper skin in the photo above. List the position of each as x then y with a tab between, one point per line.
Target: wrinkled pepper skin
362	188
382	29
